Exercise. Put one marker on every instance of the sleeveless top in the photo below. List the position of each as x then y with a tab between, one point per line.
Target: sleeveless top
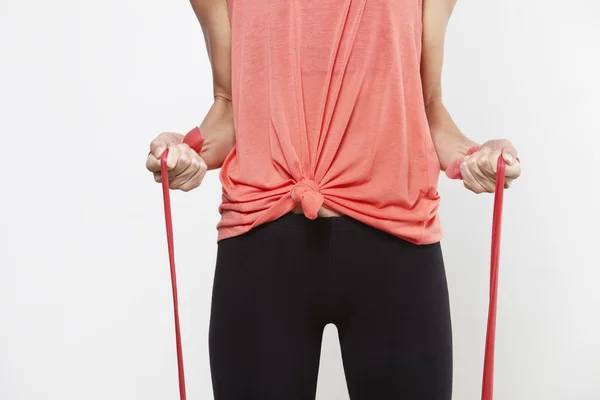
329	110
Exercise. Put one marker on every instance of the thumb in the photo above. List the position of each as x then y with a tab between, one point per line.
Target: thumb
510	155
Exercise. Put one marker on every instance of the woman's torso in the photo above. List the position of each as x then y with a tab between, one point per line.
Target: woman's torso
329	112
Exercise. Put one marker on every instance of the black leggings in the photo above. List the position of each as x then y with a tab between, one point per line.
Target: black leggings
277	286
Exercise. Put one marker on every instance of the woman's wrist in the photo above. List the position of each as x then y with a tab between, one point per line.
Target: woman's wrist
450	144
218	134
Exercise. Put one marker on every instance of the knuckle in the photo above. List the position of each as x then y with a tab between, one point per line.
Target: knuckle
152	165
184	160
196	162
172	161
203	167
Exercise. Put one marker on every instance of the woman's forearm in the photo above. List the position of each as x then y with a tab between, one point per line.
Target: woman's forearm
449	141
217	128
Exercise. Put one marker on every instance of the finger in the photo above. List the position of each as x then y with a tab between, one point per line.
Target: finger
192	176
484	163
183	161
509	154
469	180
183	175
484	181
152	163
195	180
157	177
161	143
158	147
173	157
472	164
189	162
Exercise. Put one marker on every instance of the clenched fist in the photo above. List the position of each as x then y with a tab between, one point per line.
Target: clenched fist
186	168
479	169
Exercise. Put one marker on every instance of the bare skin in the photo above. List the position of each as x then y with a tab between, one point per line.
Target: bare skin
187	168
479	169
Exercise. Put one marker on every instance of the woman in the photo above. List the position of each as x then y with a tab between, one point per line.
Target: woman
329	210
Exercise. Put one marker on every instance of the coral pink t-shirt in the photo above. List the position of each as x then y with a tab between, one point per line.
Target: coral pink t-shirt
329	111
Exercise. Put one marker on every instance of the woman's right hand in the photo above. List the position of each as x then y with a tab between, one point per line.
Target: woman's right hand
186	168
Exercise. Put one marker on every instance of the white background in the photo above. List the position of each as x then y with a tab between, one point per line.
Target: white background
85	302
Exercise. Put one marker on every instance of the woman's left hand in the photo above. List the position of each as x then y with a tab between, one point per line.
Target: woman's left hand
479	169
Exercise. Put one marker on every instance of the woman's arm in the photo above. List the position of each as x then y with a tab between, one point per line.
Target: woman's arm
450	143
213	16
217	127
217	134
478	170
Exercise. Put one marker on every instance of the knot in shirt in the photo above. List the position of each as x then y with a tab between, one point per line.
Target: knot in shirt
306	193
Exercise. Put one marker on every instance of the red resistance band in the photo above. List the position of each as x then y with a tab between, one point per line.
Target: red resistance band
453	172
195	140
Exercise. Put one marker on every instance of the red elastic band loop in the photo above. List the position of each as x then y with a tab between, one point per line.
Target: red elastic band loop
194	139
